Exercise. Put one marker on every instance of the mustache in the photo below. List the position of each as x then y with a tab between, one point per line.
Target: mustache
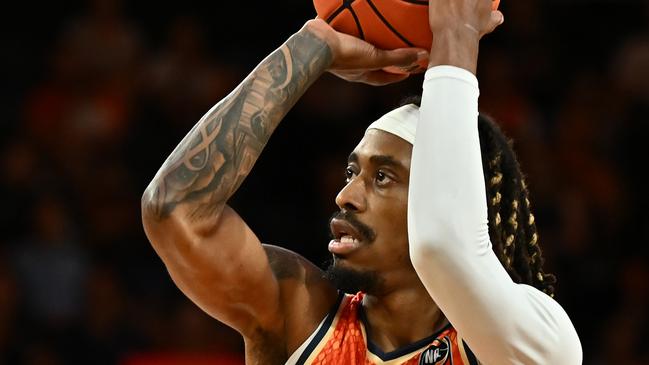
366	233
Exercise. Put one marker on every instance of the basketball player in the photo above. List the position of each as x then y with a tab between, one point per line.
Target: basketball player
411	242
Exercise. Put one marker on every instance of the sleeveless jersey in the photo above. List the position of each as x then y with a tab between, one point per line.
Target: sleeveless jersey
342	339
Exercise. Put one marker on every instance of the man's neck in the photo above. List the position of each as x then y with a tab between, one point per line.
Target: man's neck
402	317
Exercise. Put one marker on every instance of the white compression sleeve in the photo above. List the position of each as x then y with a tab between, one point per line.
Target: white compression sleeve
502	322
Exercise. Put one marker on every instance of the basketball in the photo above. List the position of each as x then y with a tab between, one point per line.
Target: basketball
387	24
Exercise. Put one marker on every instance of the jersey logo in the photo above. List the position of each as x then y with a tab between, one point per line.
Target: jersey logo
439	353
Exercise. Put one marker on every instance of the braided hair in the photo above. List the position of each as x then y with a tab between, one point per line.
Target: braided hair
512	228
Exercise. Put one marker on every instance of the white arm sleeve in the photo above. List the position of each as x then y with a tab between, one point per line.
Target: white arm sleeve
502	322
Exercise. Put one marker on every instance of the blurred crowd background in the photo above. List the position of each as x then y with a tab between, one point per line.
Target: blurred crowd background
96	94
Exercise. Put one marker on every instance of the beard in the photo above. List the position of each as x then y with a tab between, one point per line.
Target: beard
348	280
351	281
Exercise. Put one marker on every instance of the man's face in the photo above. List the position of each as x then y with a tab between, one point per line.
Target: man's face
370	235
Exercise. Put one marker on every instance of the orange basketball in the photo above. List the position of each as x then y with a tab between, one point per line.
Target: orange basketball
387	24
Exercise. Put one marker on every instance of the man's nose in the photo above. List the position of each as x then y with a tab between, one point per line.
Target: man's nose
352	196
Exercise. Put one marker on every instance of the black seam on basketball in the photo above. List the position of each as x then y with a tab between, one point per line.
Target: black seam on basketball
378	13
358	23
416	2
347	4
335	13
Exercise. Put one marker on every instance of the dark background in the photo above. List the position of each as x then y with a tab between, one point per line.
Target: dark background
96	94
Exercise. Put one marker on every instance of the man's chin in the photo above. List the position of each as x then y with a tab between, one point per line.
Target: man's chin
352	280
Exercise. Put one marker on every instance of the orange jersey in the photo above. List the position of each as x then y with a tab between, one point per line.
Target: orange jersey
342	339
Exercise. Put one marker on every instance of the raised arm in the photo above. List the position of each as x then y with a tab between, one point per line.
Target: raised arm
502	322
211	254
209	251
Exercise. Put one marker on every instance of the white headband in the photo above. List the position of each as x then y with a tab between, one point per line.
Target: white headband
402	122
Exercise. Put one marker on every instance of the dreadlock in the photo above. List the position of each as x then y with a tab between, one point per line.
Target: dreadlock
512	228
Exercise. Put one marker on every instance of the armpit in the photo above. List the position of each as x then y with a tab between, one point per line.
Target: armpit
287	264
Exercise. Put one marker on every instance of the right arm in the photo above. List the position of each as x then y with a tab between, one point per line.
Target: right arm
209	251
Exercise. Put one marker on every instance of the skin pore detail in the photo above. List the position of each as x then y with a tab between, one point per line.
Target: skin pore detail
214	158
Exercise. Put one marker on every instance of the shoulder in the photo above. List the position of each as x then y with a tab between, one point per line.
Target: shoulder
305	294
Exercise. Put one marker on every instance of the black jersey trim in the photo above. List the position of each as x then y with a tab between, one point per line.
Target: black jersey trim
321	331
469	354
404	350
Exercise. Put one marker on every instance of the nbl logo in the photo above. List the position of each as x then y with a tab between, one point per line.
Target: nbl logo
439	353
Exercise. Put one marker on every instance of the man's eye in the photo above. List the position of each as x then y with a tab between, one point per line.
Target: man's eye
382	178
349	173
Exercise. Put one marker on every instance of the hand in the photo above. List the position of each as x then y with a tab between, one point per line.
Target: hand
457	27
475	16
358	61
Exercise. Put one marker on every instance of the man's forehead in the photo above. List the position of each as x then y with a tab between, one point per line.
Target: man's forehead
379	143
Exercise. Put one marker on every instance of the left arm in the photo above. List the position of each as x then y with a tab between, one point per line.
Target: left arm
502	322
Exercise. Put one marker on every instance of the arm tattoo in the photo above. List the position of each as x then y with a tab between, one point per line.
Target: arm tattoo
212	161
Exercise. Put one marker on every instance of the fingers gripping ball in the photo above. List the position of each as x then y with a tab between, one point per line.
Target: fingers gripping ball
387	24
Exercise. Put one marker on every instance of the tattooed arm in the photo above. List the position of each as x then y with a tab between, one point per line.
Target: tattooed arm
211	254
